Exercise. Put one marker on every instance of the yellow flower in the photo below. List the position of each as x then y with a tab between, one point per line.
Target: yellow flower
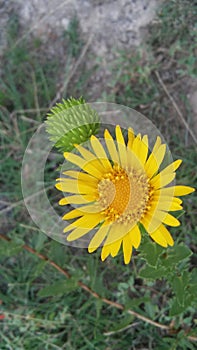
119	187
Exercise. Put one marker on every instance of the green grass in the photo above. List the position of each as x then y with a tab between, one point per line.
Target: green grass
38	317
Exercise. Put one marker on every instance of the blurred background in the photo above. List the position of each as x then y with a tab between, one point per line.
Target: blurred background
141	54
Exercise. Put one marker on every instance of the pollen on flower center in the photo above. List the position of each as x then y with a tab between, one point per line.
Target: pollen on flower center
124	195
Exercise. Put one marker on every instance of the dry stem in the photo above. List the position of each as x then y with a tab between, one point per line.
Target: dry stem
176	107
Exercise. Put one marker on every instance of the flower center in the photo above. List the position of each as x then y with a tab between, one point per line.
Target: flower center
123	195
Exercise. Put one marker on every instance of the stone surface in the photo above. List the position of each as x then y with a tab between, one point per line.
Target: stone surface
113	23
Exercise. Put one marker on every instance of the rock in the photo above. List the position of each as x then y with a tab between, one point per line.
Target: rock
114	23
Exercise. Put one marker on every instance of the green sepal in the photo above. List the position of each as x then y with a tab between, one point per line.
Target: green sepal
71	122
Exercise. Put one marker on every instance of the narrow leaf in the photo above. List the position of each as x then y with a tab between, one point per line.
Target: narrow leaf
61	287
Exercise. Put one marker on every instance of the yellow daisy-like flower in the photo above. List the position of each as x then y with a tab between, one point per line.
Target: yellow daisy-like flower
120	187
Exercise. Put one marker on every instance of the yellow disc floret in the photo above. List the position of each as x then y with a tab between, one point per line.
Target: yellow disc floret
123	195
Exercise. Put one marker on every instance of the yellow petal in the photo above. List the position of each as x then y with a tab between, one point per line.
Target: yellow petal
154	161
87	154
136	145
175	200
100	152
143	149
99	237
77	233
162	236
123	155
75	186
121	147
183	190
135	236
119	135
172	167
152	220
158	237
166	235
118	231
131	137
157	144
81	176
88	224
165	192
115	247
127	249
105	252
91	208
72	214
161	180
83	210
171	220
159	198
175	206
77	199
133	161
86	221
111	147
90	167
175	191
165	205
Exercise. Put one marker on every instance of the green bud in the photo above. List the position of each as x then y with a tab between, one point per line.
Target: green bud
71	122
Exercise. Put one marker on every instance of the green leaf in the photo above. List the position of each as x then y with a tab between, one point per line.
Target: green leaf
39	240
98	304
152	272
57	252
177	308
99	287
175	255
151	252
126	321
10	248
191	289
194	275
136	302
37	270
151	309
182	252
179	289
61	287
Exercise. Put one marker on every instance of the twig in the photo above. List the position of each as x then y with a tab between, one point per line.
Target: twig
29	120
122	329
176	107
73	70
94	294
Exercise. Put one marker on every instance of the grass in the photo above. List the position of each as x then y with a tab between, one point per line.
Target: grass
66	316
